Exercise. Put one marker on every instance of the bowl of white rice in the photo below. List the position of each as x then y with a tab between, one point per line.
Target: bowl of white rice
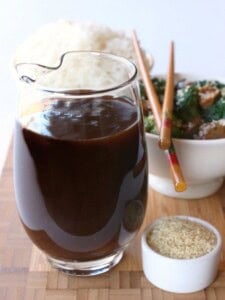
49	42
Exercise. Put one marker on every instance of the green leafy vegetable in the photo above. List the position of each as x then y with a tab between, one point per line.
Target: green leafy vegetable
215	111
149	123
159	85
186	103
177	130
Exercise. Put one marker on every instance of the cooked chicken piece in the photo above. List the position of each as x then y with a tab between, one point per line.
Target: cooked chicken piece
208	95
212	130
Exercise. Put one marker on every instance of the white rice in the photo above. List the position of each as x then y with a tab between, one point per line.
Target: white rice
52	40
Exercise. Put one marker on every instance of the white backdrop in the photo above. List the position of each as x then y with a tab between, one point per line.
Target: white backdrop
196	26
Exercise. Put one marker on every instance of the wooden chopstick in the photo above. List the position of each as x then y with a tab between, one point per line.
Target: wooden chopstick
167	109
176	172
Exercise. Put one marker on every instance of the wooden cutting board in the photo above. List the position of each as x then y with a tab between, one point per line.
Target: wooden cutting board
25	274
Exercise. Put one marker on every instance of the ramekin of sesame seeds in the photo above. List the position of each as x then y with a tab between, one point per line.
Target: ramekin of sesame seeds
181	254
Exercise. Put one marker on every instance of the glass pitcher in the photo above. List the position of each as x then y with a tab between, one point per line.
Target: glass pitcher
80	162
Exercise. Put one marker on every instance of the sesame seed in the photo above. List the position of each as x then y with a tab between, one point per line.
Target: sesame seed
181	238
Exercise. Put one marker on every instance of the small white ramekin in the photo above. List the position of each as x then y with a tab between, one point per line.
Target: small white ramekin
181	275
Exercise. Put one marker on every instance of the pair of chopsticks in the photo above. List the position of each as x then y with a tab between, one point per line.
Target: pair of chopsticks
163	117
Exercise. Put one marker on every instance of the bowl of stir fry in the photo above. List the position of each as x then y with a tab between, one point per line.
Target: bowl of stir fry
198	133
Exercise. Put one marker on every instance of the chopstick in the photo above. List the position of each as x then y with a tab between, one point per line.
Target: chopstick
167	109
176	172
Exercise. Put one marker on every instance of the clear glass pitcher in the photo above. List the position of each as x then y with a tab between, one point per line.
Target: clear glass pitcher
80	162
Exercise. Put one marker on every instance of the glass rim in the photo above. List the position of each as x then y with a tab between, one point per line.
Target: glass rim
77	92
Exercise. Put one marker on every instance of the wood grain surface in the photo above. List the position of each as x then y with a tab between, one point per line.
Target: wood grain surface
25	274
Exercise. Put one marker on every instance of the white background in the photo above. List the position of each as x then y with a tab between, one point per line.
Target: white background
196	26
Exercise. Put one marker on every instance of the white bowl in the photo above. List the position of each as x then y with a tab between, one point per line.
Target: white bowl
202	163
181	275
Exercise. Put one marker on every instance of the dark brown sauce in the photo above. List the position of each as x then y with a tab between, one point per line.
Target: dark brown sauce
81	176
